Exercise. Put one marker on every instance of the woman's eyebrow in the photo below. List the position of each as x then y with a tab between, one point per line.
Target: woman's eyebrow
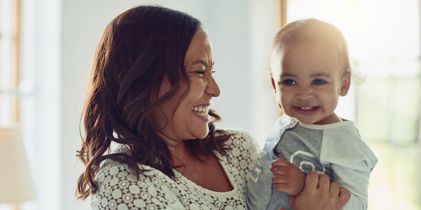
203	62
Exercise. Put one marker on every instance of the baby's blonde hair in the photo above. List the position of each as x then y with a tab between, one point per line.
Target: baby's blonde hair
312	31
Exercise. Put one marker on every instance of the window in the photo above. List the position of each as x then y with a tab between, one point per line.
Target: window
9	62
384	42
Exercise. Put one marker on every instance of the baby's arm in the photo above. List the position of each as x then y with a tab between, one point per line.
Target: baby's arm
287	177
356	181
351	161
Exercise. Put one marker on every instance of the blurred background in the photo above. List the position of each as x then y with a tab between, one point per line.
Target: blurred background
46	49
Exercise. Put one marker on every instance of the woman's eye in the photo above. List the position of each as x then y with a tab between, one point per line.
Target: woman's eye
319	82
288	82
200	73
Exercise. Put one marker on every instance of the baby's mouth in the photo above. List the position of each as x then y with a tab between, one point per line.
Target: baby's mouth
306	109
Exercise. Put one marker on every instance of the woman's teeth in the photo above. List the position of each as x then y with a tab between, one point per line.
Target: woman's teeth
201	110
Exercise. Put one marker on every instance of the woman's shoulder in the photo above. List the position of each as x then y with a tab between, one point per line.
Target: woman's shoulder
120	187
242	145
115	169
238	137
238	134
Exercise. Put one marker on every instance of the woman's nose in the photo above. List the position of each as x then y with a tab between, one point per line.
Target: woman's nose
213	88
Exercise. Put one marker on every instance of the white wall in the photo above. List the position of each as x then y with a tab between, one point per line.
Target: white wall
41	104
81	26
65	34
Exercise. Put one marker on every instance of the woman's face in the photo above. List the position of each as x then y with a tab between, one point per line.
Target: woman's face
191	116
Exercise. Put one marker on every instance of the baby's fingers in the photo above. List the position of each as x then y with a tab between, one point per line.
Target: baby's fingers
279	170
280	162
279	179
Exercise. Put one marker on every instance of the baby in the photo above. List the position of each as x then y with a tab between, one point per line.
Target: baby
310	69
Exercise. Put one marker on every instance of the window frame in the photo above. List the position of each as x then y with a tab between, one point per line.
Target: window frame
10	45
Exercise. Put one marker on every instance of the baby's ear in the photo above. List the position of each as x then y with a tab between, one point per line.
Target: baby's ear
346	83
272	82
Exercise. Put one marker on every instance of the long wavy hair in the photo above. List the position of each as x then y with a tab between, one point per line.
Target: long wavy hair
137	50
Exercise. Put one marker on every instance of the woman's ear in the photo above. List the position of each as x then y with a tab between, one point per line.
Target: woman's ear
346	83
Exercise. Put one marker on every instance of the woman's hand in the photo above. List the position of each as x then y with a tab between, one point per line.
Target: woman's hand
320	194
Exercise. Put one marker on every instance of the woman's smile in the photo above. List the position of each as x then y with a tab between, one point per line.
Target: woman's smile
202	111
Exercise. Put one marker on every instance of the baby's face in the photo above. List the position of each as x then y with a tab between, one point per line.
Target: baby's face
308	81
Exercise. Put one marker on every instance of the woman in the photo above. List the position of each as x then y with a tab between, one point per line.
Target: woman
150	95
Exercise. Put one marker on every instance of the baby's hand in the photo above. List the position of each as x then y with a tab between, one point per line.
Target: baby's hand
287	177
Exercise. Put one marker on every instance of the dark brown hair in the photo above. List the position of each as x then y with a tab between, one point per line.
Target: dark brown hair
137	50
313	31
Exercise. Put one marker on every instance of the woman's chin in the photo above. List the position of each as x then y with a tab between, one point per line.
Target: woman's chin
203	134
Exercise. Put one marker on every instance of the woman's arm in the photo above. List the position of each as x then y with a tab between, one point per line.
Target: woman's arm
320	194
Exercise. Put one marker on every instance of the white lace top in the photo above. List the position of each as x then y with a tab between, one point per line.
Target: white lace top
119	188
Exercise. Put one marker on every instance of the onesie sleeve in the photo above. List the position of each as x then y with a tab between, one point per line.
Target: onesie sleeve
351	161
120	189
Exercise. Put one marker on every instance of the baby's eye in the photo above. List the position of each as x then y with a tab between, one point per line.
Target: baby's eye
319	82
288	82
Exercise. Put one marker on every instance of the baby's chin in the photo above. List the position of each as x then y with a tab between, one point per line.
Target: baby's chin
308	122
305	120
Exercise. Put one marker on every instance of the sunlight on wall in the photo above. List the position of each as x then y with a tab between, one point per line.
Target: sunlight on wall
383	38
384	43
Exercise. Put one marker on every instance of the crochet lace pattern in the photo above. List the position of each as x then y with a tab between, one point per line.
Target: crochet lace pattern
120	189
